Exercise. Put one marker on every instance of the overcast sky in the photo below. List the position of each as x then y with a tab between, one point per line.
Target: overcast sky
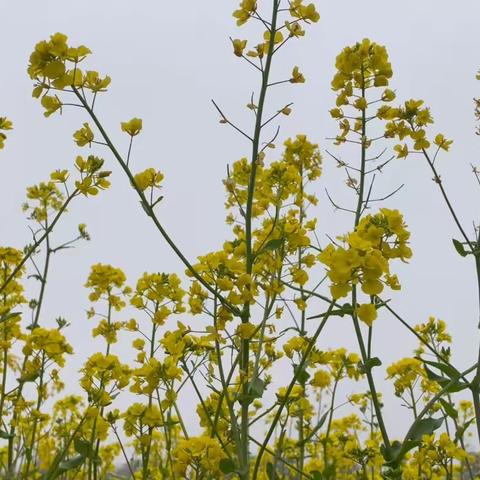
167	61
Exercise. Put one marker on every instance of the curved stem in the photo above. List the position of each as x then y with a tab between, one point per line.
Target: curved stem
37	243
148	208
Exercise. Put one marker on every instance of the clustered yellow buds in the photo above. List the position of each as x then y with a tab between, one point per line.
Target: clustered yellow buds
107	282
101	371
363	66
159	294
360	68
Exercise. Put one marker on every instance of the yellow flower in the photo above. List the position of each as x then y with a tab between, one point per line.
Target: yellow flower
148	178
294	29
239	47
93	82
51	104
132	127
305	12
321	379
297	76
245	330
442	142
203	454
402	150
299	276
5	123
245	11
59	176
278	38
360	103
84	135
367	313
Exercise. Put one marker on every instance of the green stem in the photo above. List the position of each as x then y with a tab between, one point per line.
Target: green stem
368	373
35	322
146	205
329	425
433	400
245	343
358	332
35	422
37	243
283	403
150	402
52	471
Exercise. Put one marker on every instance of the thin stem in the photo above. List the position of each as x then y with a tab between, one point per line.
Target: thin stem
245	343
283	403
147	207
38	242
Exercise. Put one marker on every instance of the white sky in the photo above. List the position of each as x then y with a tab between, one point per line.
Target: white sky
167	60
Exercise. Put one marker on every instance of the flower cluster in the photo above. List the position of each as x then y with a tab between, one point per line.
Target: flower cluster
366	255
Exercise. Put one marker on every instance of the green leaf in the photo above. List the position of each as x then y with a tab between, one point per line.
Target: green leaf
369	364
391	455
256	388
271	473
8	316
425	426
83	447
457	386
459	248
302	375
450	410
448	370
318	426
71	464
461	430
5	435
227	465
274	244
346	309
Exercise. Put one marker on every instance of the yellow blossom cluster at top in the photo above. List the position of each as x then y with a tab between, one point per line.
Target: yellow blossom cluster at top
360	69
55	64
